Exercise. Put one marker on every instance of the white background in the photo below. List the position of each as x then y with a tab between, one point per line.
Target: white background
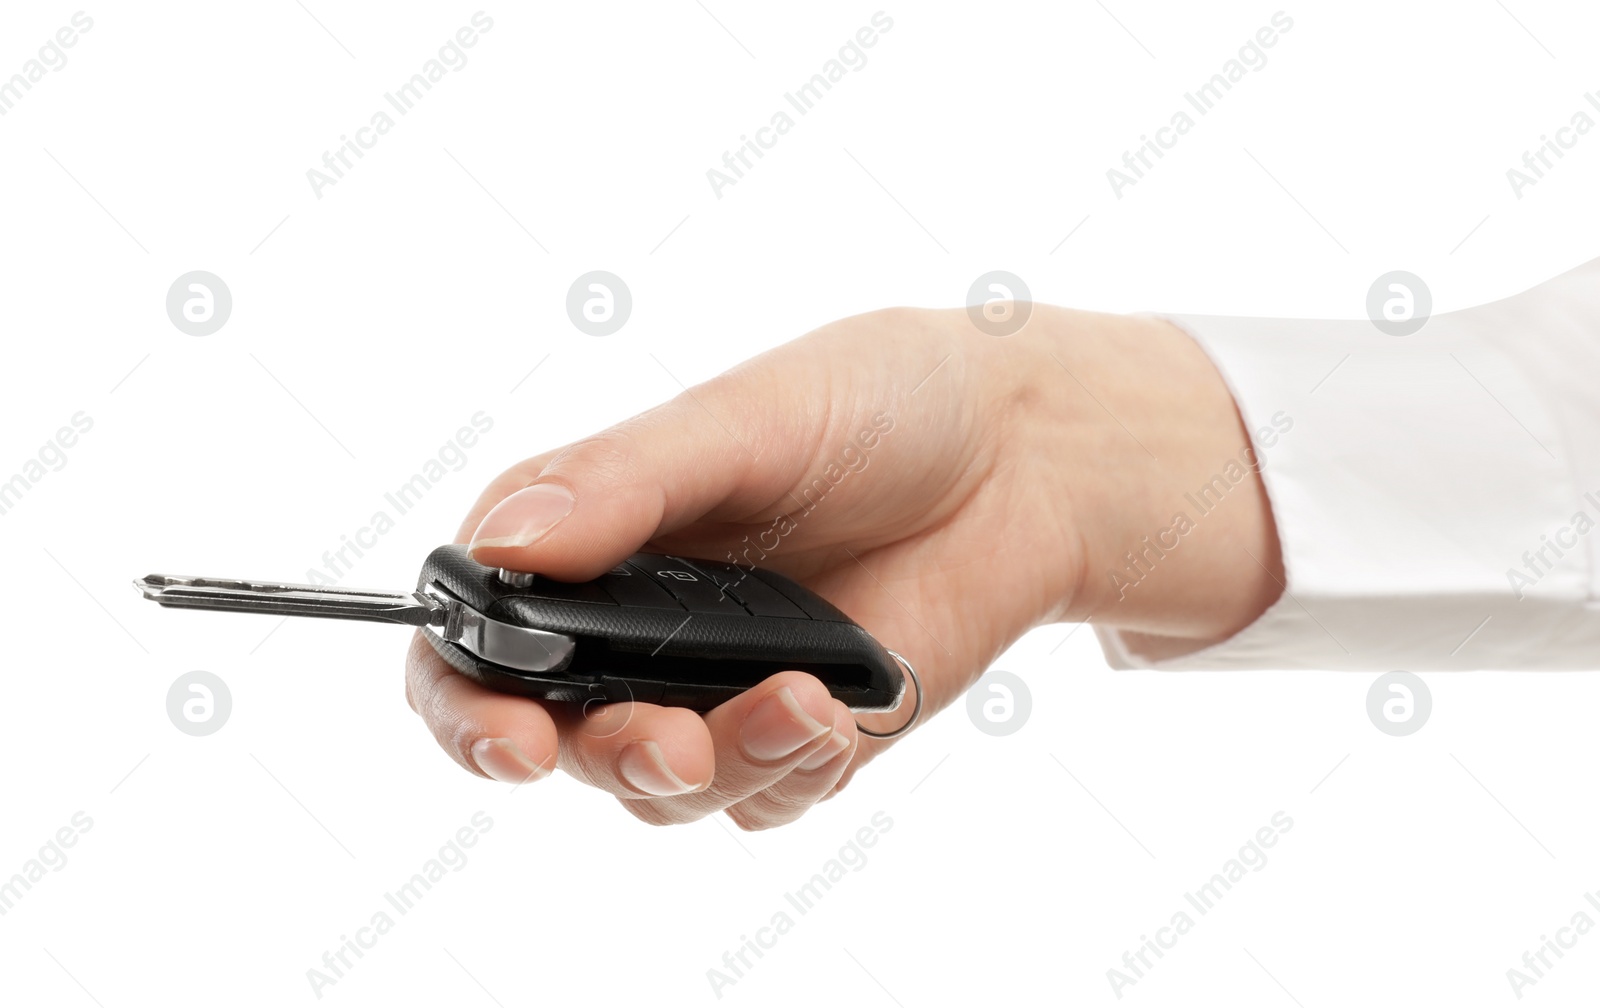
1018	869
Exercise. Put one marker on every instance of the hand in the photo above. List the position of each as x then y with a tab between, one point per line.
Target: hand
946	489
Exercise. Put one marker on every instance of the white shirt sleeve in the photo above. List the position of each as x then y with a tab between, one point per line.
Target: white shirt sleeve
1437	495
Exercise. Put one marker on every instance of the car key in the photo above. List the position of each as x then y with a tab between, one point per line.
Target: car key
656	628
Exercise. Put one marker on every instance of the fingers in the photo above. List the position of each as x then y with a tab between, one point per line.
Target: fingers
603	498
810	782
636	750
633	750
509	738
765	756
782	729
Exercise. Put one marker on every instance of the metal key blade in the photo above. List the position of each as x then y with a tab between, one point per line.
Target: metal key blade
408	608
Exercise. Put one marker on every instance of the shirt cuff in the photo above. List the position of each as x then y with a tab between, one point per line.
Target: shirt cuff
1427	510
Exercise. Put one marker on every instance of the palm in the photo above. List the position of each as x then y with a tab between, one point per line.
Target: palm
926	542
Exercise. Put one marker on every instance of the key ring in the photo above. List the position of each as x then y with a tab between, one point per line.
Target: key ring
916	710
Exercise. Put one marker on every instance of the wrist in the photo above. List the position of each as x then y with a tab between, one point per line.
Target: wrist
1156	479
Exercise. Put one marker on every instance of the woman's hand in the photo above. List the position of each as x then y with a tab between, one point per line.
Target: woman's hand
946	489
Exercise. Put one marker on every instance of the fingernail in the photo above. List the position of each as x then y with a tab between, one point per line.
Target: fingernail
825	755
524	516
501	759
643	767
778	728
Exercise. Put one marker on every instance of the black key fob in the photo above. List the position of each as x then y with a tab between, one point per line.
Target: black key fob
660	629
656	628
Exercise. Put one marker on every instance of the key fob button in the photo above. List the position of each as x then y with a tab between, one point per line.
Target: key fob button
562	591
757	596
634	588
814	605
693	588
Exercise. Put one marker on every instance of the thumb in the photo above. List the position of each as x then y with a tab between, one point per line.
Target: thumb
602	498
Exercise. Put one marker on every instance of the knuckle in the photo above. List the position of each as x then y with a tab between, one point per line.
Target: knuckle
897	316
749	821
452	728
457	736
656	813
769	809
611	455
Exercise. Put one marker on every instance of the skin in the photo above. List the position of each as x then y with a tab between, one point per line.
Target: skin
1017	475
